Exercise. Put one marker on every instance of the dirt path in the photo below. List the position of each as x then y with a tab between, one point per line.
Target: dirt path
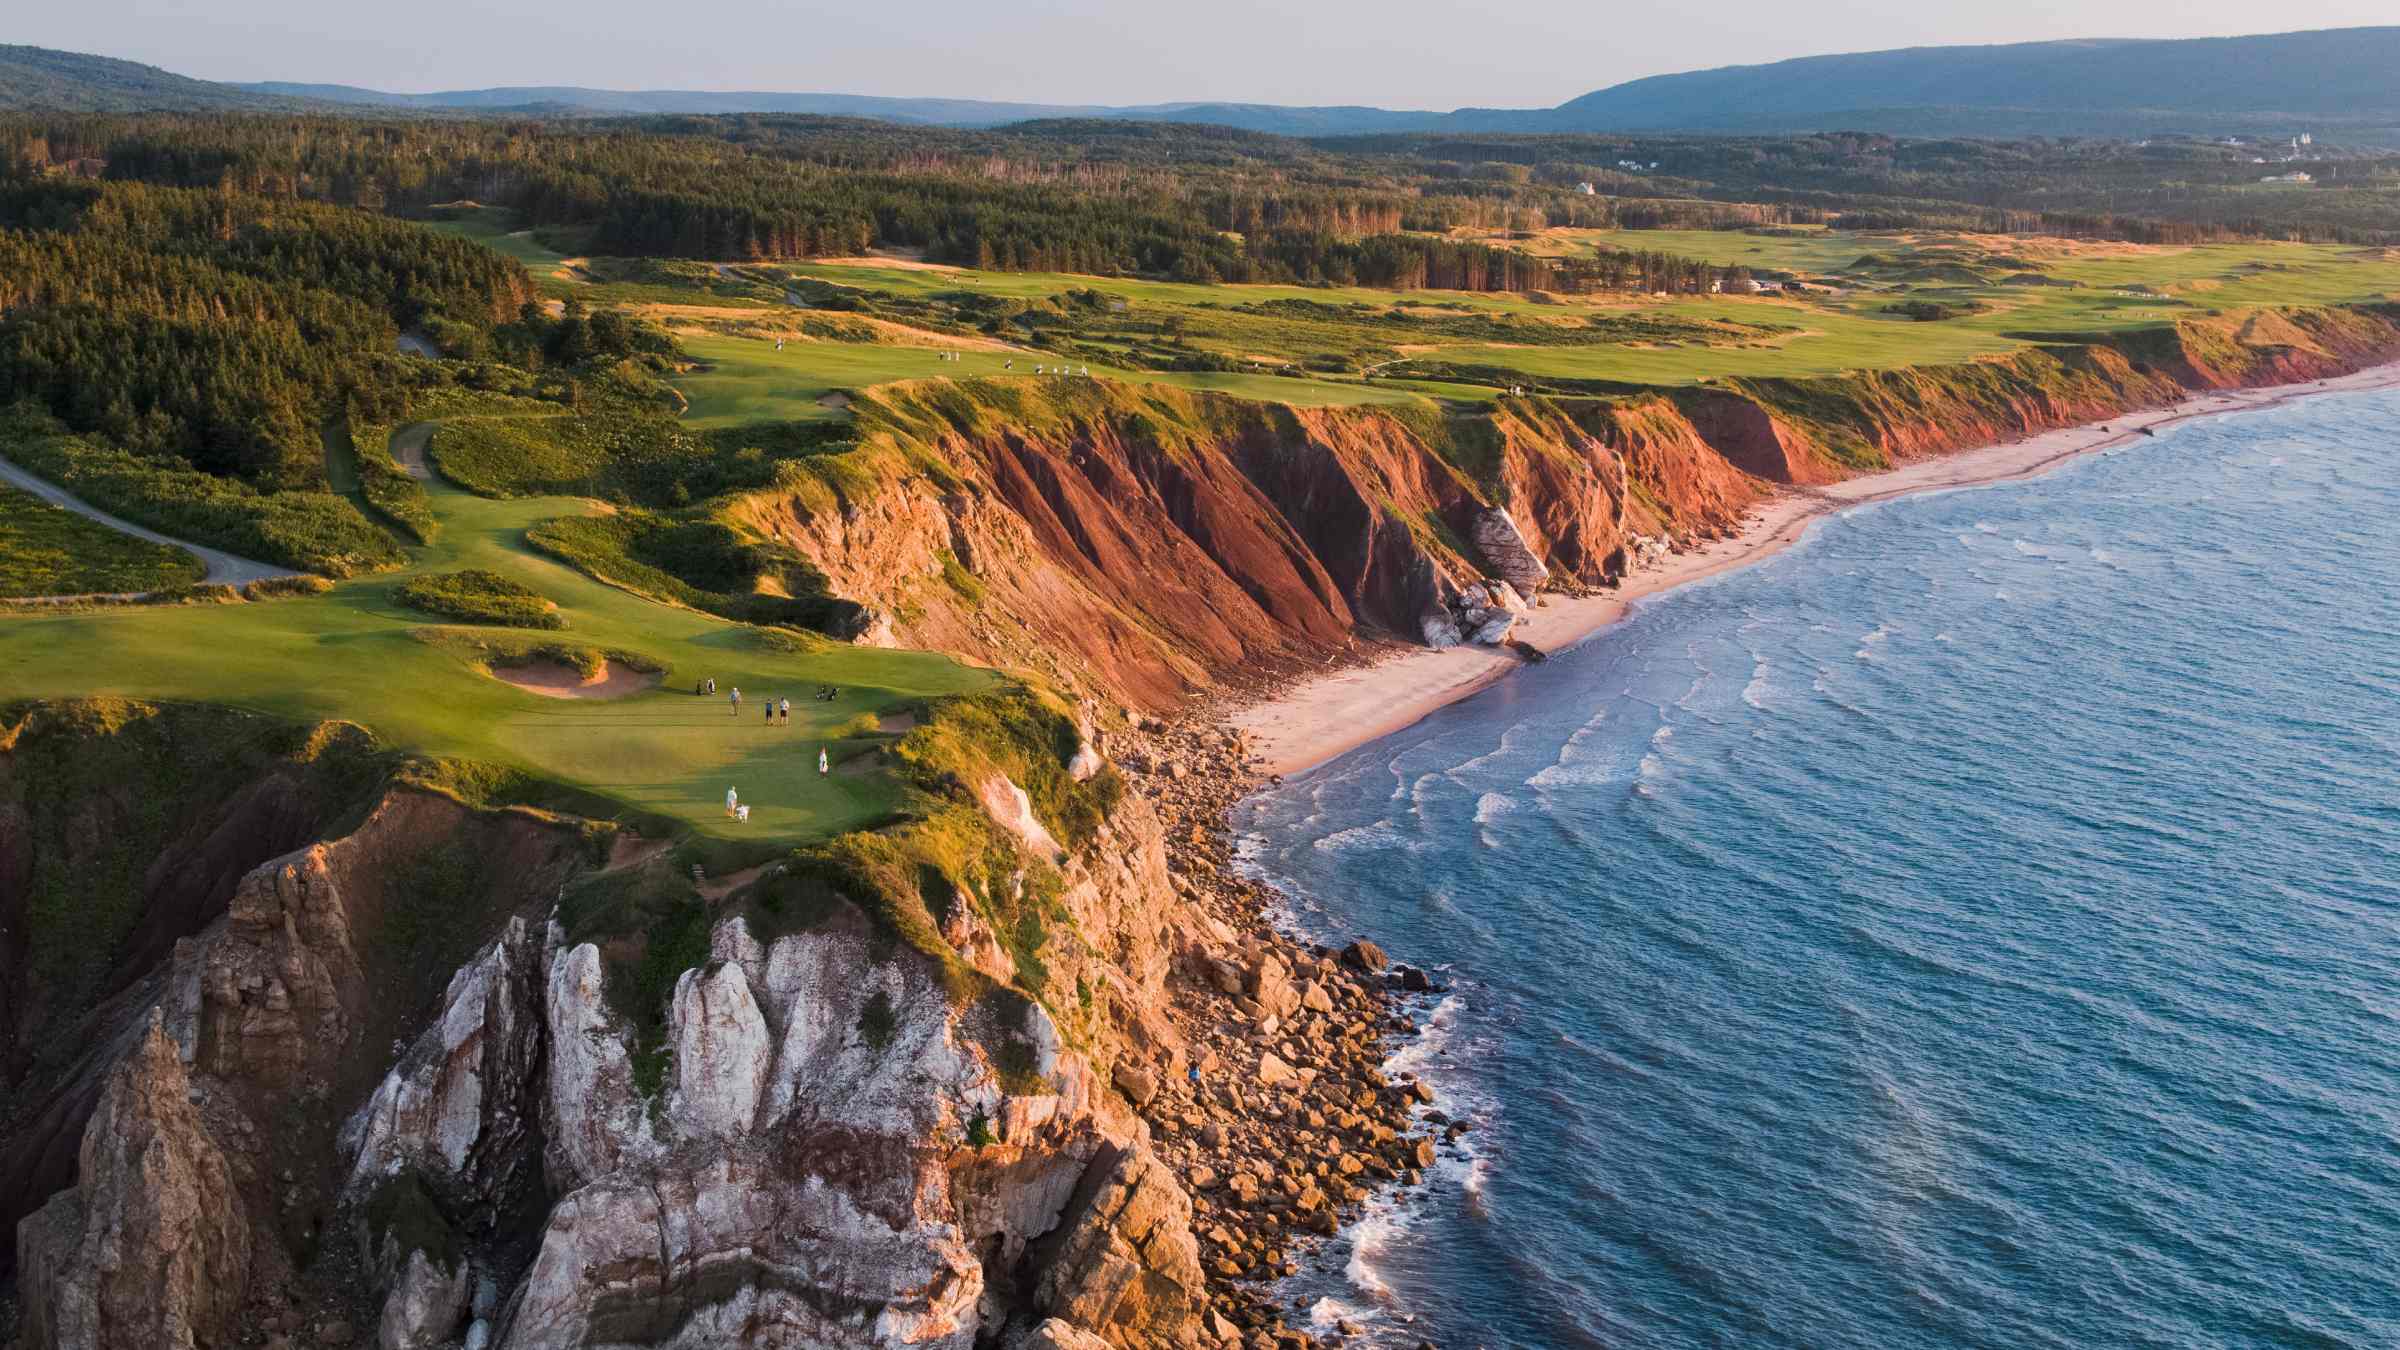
408	449
224	569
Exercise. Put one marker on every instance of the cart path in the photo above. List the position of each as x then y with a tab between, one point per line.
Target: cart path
224	569
408	449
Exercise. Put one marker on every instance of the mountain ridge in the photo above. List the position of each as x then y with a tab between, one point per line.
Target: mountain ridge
2330	79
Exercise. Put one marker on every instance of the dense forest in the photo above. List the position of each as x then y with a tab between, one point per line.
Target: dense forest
219	328
1195	202
190	303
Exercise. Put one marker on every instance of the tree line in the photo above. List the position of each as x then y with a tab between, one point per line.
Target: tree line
217	328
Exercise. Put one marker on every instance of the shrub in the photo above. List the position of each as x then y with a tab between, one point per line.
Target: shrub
311	531
275	588
635	551
478	596
46	550
514	456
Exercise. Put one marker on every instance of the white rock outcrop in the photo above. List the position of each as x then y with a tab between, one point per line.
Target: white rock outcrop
799	1180
723	1051
1502	544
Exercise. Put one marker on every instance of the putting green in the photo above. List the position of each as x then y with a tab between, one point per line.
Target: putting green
353	654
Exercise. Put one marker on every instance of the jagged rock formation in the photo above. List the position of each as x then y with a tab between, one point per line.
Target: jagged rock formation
124	829
828	1138
1500	543
224	1087
152	1247
835	1160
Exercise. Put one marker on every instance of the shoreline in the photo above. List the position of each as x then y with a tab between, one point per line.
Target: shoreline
1322	717
1318	718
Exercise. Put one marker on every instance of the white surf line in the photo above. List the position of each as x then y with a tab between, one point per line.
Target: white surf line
224	569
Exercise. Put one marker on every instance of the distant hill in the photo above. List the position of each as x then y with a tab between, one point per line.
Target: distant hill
37	77
2339	81
956	112
2331	77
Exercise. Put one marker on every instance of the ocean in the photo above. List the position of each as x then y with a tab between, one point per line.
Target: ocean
1978	925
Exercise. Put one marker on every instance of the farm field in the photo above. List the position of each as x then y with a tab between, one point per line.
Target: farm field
357	653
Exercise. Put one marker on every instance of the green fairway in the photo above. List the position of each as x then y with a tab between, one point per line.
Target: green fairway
496	228
2097	288
352	654
744	379
1037	285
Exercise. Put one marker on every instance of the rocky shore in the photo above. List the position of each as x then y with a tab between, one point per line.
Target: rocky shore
1285	1121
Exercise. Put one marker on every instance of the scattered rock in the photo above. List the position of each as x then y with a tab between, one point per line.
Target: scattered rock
1137	1083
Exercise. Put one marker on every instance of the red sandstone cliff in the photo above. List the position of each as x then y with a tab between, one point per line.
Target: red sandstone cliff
1146	543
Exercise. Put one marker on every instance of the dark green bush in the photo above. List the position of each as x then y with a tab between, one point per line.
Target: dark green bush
478	596
311	531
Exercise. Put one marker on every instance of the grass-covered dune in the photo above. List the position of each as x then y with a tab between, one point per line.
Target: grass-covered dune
479	595
46	550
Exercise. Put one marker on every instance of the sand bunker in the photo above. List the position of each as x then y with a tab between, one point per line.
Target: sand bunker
557	679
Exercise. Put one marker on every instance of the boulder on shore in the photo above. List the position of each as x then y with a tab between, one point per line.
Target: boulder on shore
1366	956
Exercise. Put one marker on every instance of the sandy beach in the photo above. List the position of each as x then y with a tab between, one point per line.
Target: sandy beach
1316	719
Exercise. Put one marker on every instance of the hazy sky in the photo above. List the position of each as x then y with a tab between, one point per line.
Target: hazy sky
1392	53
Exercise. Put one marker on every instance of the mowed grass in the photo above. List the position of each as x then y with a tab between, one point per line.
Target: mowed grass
744	379
353	654
495	228
1041	285
46	550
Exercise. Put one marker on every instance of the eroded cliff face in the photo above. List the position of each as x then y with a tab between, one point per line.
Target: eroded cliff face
337	1113
126	828
1145	543
834	1157
207	1172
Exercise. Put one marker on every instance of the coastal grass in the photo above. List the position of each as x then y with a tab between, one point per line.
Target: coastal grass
357	653
309	531
48	550
478	595
744	379
1988	291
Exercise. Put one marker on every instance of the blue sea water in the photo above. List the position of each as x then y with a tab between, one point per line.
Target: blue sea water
1976	926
